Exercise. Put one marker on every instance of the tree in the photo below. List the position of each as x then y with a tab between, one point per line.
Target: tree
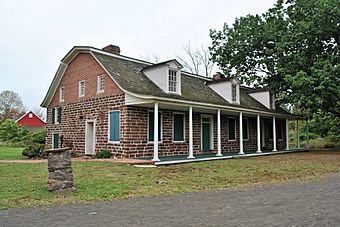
11	132
40	112
197	61
11	105
292	48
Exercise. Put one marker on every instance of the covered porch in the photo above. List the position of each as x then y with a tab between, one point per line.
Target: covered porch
208	131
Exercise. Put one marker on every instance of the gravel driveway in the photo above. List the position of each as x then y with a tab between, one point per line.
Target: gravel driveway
300	204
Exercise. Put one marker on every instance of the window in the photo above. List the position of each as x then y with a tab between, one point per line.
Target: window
30	115
55	140
114	126
178	133
172	80
232	128
245	129
56	115
82	88
151	127
233	92
100	84
272	101
62	94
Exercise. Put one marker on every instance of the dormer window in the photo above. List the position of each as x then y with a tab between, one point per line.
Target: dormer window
233	92
173	81
272	101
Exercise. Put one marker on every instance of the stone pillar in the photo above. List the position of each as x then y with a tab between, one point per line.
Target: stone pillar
59	169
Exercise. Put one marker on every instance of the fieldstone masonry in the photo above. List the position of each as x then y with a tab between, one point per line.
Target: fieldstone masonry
60	175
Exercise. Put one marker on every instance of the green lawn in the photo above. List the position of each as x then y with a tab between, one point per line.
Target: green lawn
11	153
25	185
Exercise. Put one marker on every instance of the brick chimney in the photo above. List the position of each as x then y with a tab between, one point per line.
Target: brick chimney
218	76
112	49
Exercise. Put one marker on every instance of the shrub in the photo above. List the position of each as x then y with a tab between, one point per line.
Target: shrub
33	150
39	137
11	132
104	154
326	142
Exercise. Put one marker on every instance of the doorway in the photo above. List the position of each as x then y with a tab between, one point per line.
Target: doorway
90	137
206	134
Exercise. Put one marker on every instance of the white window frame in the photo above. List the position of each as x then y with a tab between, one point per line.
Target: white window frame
160	121
172	81
173	127
235	129
99	78
54	109
81	89
246	119
109	127
30	115
62	94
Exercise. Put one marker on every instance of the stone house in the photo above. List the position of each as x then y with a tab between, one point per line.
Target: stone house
102	100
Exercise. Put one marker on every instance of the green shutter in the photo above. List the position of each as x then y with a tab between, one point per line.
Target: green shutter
232	133
178	127
55	140
115	126
245	129
59	114
53	115
151	126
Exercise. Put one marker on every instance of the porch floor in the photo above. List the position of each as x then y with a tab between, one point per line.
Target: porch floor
178	159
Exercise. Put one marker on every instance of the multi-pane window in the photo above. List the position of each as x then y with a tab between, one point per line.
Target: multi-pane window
62	94
56	115
172	80
178	127
232	128
114	126
100	84
233	92
245	129
82	88
151	127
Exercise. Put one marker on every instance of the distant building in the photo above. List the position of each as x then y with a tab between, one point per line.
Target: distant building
31	122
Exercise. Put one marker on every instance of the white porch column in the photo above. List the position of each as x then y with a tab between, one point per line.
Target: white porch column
191	145
155	134
287	135
241	134
297	134
258	134
274	134
219	149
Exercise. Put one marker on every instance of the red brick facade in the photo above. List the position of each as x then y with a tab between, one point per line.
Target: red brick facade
134	142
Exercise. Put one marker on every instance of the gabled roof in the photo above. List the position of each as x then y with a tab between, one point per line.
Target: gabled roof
128	74
30	112
163	63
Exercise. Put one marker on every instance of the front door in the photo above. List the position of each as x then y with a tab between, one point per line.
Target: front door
55	141
206	136
90	138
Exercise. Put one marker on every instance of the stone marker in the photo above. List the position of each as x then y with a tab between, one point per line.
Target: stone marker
60	175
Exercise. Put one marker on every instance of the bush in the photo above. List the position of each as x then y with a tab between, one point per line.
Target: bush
327	142
11	132
104	154
33	150
39	137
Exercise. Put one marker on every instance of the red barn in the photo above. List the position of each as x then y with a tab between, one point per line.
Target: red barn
31	122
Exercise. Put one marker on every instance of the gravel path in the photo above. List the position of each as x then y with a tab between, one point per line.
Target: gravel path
300	204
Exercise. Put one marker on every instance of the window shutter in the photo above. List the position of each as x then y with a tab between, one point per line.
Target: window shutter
151	126
59	114
115	126
53	115
55	140
178	127
232	133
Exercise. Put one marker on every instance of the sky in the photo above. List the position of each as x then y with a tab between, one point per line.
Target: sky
36	34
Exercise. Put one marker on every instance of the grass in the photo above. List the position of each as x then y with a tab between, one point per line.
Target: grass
24	185
11	153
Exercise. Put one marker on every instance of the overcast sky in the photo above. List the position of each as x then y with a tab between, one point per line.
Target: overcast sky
36	35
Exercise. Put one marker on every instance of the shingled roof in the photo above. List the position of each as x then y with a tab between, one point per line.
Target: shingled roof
129	75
